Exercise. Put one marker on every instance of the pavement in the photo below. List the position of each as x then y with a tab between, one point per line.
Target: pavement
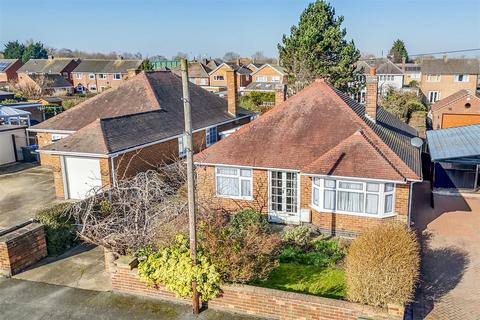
23	191
21	299
450	272
80	267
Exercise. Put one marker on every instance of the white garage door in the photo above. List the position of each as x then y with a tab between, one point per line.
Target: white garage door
82	175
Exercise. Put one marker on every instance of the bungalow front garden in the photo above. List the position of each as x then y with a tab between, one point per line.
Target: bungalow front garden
145	217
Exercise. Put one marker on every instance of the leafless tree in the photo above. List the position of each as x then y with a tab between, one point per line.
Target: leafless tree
32	89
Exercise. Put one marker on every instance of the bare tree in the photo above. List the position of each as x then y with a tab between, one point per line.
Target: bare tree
33	87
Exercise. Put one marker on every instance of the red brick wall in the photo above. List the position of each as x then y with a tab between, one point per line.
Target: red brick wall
341	224
21	248
257	301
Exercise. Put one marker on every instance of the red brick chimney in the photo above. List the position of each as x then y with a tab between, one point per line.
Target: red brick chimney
371	95
232	93
280	94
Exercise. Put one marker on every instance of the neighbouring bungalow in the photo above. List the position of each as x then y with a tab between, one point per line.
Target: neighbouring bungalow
455	153
99	75
459	109
320	158
128	129
267	78
198	73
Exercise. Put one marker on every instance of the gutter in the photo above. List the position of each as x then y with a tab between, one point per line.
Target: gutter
50	131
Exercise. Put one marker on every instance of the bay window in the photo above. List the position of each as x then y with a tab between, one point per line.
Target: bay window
353	197
233	182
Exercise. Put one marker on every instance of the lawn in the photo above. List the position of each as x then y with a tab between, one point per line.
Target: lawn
321	281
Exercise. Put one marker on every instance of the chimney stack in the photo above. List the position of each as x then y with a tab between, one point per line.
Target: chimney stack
371	95
232	93
280	94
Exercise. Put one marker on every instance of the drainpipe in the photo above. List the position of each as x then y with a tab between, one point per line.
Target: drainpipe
114	178
410	203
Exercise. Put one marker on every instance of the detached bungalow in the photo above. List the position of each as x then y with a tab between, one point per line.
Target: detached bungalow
129	129
459	109
320	158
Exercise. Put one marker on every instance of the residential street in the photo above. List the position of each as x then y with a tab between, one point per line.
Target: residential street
34	301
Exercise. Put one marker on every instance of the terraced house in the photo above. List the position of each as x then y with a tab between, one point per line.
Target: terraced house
99	75
320	158
132	128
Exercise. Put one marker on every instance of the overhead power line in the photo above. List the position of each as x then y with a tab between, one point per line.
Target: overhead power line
443	52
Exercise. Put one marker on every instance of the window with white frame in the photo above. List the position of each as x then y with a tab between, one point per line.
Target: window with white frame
117	76
461	78
261	79
91	76
218	78
353	197
433	78
79	76
102	76
433	96
182	146
233	182
275	79
211	136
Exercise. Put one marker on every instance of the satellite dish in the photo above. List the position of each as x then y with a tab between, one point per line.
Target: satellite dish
416	142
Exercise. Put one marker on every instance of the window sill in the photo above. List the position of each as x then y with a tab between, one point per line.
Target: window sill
365	215
234	197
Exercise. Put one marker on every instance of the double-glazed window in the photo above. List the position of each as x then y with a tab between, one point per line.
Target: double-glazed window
355	197
117	76
211	136
79	76
261	79
461	78
233	182
275	79
182	146
218	78
91	76
102	76
433	78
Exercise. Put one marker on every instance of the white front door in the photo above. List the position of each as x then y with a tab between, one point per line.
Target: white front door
284	197
81	176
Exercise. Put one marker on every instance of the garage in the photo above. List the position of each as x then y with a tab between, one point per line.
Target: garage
81	175
12	139
457	120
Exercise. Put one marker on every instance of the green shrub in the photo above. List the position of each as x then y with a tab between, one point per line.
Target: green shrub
322	253
299	235
172	267
382	266
59	229
242	249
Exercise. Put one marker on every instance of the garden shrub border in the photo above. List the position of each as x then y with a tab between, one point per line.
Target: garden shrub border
245	299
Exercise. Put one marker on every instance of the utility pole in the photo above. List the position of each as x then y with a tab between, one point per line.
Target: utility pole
190	181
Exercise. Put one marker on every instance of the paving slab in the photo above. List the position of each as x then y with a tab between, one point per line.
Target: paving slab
24	193
80	267
450	272
21	299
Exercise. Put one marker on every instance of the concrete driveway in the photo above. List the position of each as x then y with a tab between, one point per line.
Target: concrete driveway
23	193
39	301
450	273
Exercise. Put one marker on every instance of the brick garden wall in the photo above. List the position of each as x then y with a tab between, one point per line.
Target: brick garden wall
21	248
261	302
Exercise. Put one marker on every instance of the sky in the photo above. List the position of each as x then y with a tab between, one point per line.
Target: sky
213	27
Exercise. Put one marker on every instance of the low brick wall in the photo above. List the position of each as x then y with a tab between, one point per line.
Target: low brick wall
21	248
261	302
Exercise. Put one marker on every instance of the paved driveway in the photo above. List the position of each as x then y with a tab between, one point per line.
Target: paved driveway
23	193
450	281
39	301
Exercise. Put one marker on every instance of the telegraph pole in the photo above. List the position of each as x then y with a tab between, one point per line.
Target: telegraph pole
190	181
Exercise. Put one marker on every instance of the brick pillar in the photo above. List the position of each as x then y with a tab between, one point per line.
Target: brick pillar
232	91
371	96
281	94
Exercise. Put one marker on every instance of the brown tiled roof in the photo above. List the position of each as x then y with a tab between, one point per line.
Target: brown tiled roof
451	99
133	96
299	131
349	159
